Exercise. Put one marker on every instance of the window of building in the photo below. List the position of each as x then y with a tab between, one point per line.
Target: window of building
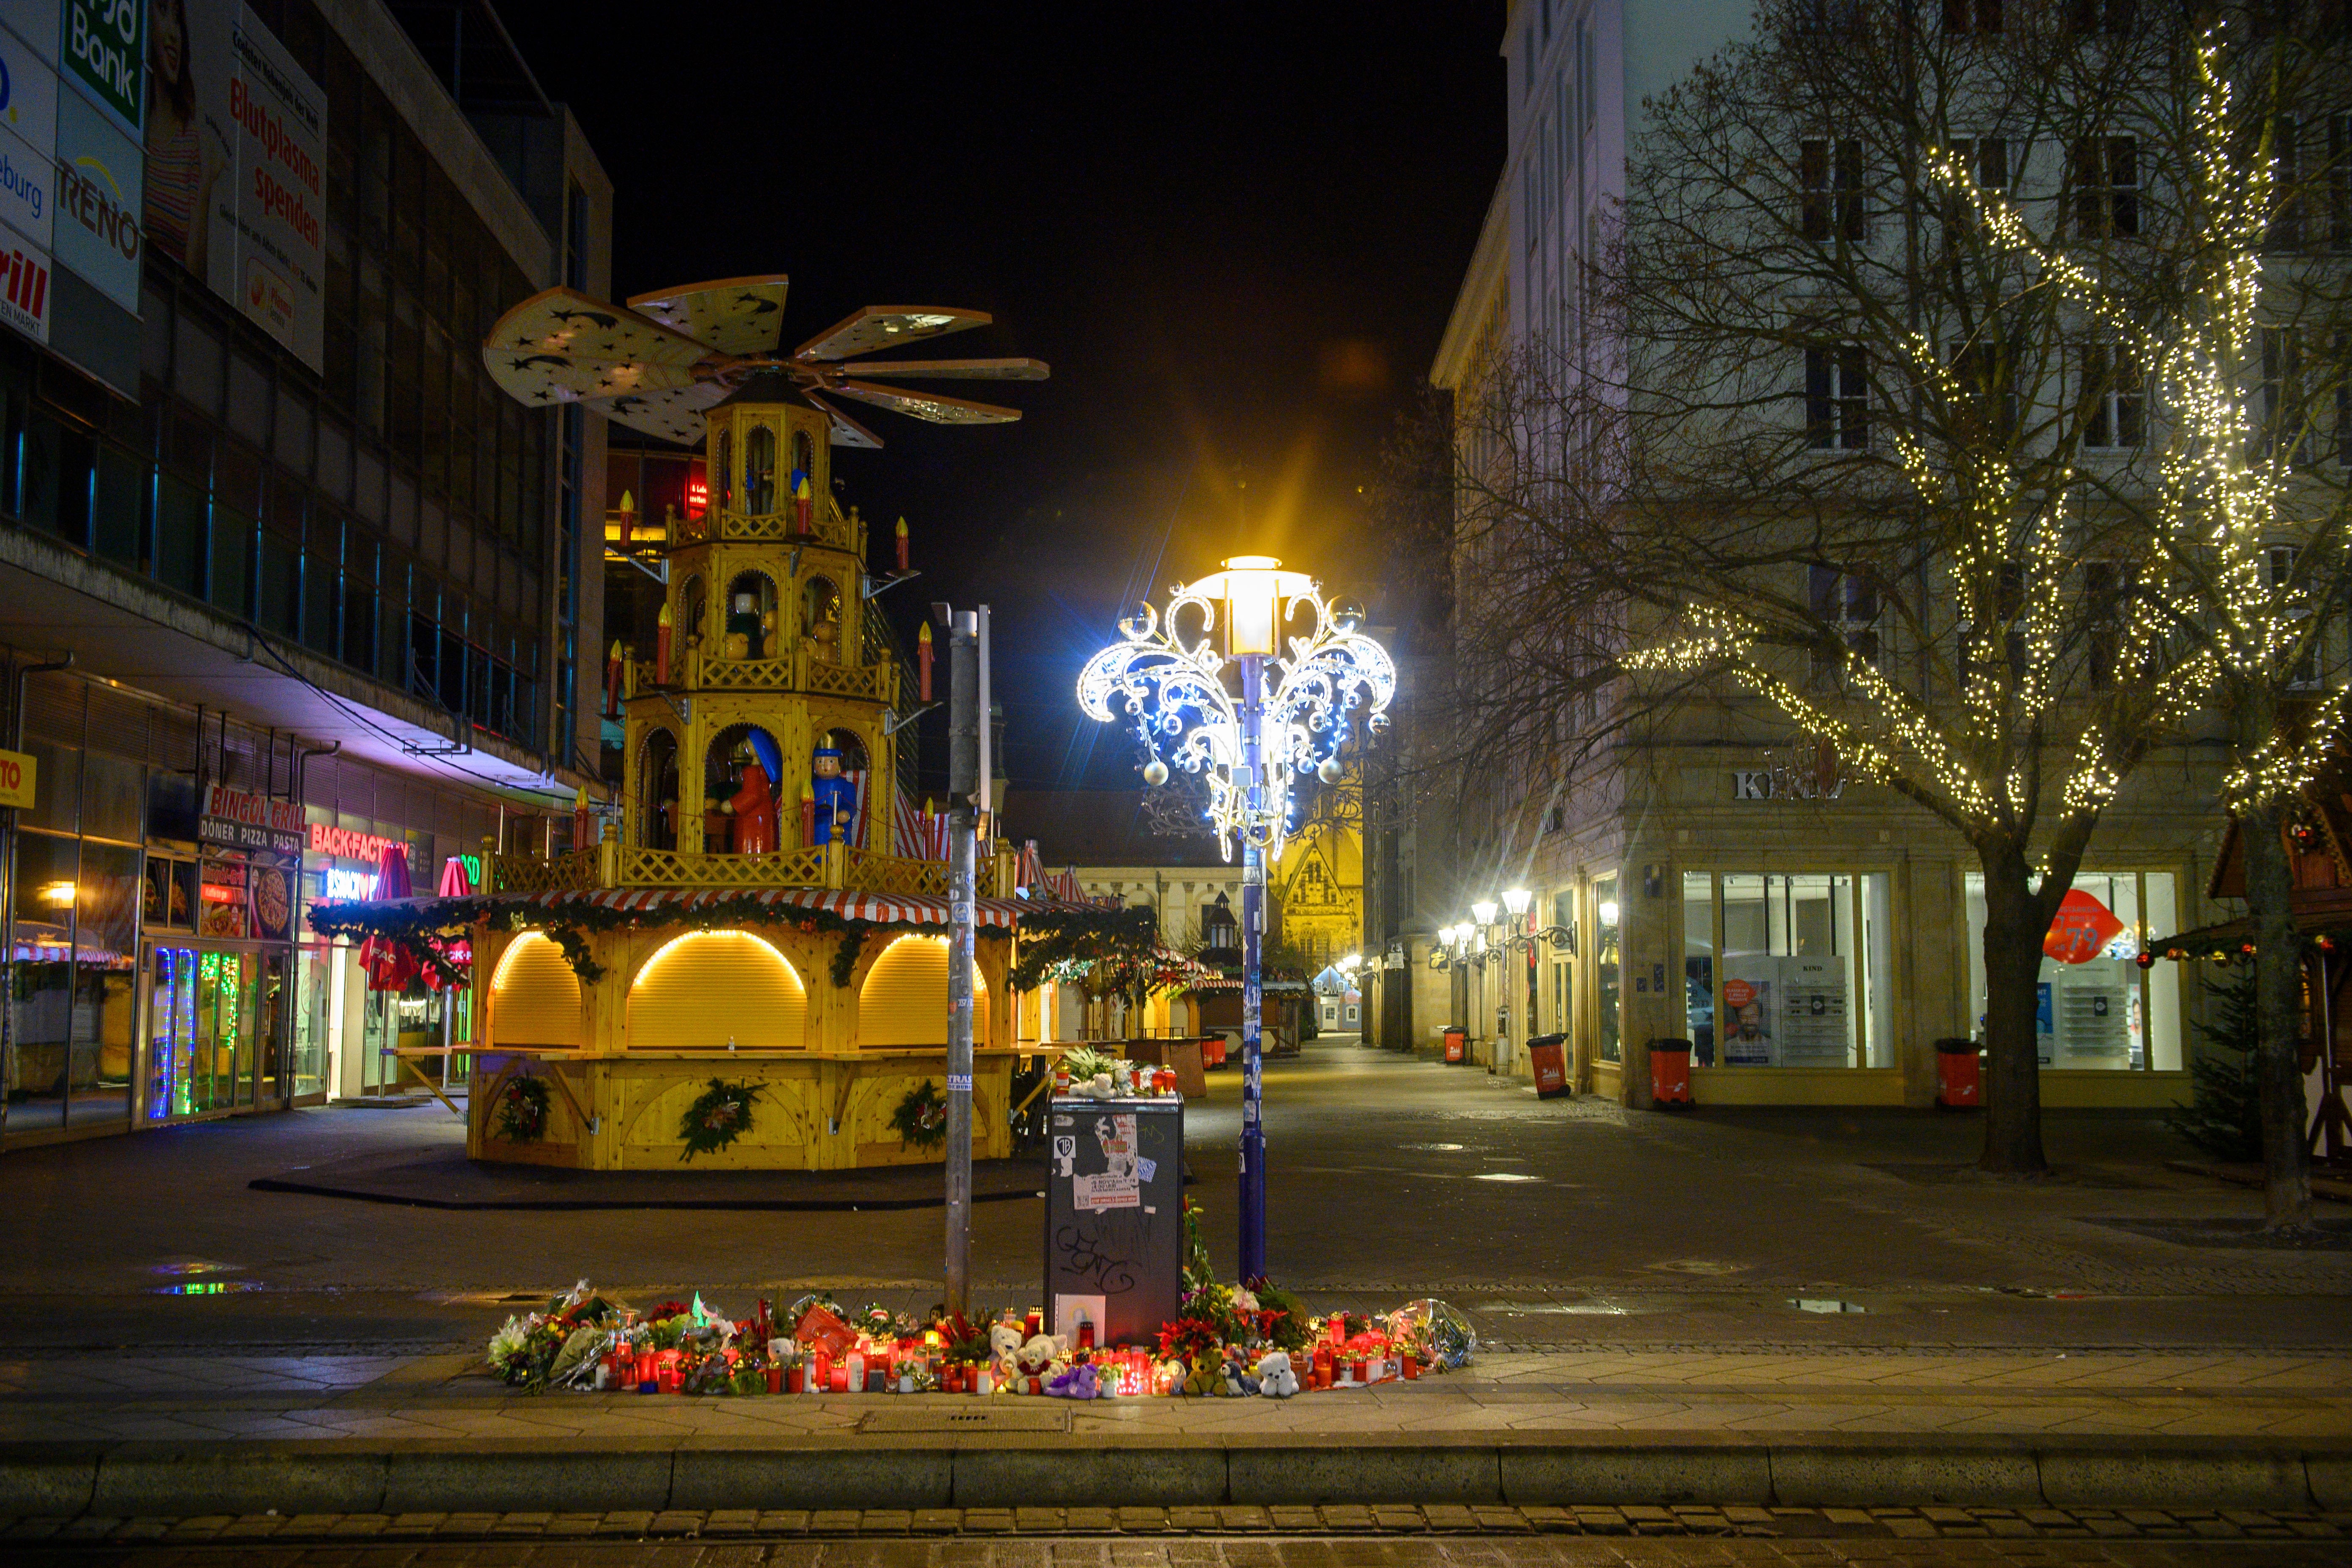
2103	181
2281	411
1606	978
2096	1006
1837	397
2278	569
1962	18
1828	180
1847	605
1789	969
2114	388
2095	17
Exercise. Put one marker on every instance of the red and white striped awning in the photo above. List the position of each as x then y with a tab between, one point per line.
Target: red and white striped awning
876	909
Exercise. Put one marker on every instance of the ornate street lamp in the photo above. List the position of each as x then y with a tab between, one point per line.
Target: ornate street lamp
1247	744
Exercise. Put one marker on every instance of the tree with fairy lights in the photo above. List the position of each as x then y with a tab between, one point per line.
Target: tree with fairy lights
2246	502
1830	464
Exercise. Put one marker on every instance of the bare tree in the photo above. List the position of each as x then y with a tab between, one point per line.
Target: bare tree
1828	453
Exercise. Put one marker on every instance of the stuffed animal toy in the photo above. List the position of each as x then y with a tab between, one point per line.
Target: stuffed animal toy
1004	1345
1238	1383
1036	1363
1207	1376
1275	1378
1080	1381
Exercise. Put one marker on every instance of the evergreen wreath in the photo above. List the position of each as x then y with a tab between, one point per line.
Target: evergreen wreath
523	1109
720	1115
921	1119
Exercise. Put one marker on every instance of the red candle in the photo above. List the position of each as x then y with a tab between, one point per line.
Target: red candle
923	658
661	647
1411	1366
775	1380
902	544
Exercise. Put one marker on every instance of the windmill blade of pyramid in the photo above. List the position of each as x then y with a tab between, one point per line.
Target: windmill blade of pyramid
935	407
673	415
733	315
846	432
561	347
885	326
952	369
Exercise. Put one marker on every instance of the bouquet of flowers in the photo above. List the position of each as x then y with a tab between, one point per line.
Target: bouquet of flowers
558	1346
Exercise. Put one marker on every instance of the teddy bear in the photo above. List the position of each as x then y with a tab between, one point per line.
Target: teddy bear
1206	1375
1004	1345
1275	1378
1034	1363
1080	1381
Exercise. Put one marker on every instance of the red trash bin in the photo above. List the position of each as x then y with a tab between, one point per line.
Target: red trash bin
1960	1076
1457	1047
1670	1063
1548	1057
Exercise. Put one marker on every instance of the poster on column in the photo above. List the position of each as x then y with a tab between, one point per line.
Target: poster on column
237	167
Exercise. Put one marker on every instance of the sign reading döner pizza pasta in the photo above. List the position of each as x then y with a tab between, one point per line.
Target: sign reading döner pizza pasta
239	819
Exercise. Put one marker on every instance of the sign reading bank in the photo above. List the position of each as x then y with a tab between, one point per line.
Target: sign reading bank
104	43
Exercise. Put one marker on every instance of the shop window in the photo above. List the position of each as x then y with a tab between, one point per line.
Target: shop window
674	1003
2095	1008
1799	967
113	790
1605	976
43	995
1698	966
105	983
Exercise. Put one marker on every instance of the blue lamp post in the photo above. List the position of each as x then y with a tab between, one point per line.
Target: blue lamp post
1247	744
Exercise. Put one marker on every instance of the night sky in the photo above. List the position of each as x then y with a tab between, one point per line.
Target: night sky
1235	235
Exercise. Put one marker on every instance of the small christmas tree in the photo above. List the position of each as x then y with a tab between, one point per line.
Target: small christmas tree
2223	1116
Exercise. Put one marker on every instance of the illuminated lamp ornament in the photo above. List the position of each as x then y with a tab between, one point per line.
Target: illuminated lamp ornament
801	501
1246	745
902	544
613	681
923	658
661	646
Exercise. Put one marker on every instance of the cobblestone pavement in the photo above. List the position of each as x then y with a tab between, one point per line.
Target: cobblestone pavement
1555	1224
1332	1537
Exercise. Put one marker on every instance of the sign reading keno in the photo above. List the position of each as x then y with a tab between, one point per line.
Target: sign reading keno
239	819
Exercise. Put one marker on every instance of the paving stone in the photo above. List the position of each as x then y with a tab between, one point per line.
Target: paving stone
1090	1520
1506	1521
2145	1517
1449	1516
1347	1516
1742	1514
1031	1519
783	1521
522	1524
1244	1516
142	1528
995	1521
626	1522
2214	1528
677	1522
414	1523
1849	1516
2046	1517
1937	1515
936	1520
1395	1515
89	1526
886	1521
1293	1517
2009	1528
1143	1519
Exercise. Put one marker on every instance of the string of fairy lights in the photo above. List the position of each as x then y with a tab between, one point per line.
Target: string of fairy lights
2220	500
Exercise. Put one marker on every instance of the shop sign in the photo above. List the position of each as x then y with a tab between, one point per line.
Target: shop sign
351	884
348	844
19	773
28	117
101	191
25	286
104	47
223	899
239	819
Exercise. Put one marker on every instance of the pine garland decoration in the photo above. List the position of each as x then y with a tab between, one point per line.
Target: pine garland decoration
720	1115
921	1119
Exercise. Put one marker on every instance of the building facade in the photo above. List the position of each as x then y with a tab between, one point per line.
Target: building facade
1811	936
317	589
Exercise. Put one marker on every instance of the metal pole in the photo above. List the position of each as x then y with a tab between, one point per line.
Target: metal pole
9	890
964	719
1253	1196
